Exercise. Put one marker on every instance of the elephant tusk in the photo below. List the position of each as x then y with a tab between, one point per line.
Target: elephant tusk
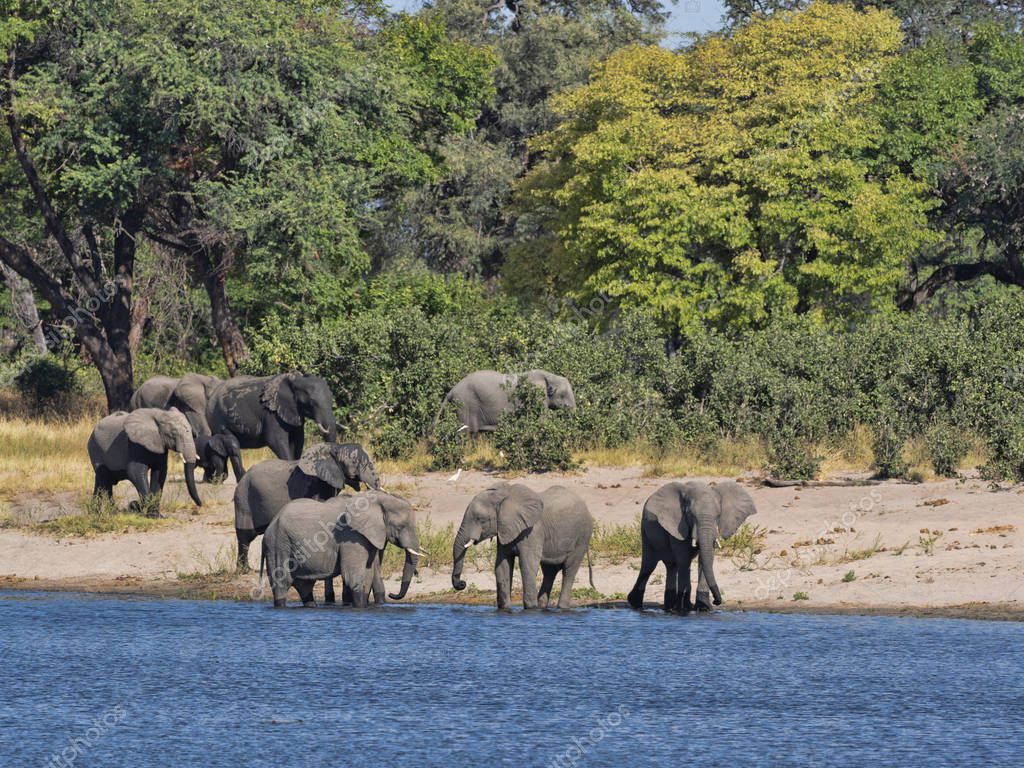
414	552
469	544
324	430
464	426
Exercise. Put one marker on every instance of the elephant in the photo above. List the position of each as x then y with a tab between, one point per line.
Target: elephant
191	395
681	521
270	411
344	536
482	396
188	394
153	393
124	446
320	474
550	530
214	453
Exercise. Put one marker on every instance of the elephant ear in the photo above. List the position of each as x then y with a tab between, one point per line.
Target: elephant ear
319	461
217	444
519	509
279	398
142	429
367	519
737	506
668	506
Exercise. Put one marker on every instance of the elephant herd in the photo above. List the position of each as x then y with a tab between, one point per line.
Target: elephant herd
312	531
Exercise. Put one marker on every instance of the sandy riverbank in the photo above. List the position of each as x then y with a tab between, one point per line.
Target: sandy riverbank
951	548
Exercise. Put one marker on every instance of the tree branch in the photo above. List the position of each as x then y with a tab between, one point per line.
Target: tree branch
916	294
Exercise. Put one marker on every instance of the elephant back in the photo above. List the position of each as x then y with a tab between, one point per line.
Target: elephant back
262	493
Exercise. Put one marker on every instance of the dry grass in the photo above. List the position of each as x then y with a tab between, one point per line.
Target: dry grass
44	458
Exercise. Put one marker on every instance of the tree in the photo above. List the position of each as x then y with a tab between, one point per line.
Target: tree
730	182
461	221
255	135
921	19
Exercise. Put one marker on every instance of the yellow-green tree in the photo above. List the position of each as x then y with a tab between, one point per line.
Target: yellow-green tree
734	180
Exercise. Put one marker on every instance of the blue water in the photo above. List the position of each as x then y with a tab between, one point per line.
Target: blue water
140	682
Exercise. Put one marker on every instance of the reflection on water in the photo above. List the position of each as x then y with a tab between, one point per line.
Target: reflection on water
100	681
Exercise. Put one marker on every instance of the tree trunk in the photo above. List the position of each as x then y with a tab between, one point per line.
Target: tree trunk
214	275
23	303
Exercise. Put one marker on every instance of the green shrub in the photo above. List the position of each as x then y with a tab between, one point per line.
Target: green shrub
887	450
43	381
447	442
532	438
791	457
946	447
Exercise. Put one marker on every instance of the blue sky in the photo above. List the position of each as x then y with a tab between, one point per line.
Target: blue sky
686	15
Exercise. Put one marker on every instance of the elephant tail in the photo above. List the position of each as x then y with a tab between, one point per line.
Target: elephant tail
263	560
590	569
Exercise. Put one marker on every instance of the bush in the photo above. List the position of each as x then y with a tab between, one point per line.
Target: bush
887	450
791	457
531	437
447	443
946	447
44	382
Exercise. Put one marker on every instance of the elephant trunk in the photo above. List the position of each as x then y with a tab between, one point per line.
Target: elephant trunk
190	482
706	542
411	562
459	557
236	465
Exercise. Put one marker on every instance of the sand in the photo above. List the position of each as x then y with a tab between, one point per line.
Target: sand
952	548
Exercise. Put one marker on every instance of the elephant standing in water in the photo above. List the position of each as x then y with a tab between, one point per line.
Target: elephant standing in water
482	396
675	516
549	530
271	410
344	536
133	446
189	394
320	474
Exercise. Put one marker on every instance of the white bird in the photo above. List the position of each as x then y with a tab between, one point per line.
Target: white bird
455	478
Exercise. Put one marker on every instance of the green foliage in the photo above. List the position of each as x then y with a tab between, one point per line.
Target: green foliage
947	446
792	457
447	442
887	449
691	186
533	438
849	576
44	380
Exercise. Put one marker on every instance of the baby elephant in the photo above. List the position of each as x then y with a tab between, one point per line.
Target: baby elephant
680	522
549	530
344	536
133	446
214	453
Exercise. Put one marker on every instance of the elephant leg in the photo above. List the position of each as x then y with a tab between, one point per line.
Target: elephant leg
547	582
359	597
305	589
346	592
244	538
671	587
569	571
104	485
528	567
138	476
157	477
681	584
379	595
503	578
278	442
648	562
329	591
